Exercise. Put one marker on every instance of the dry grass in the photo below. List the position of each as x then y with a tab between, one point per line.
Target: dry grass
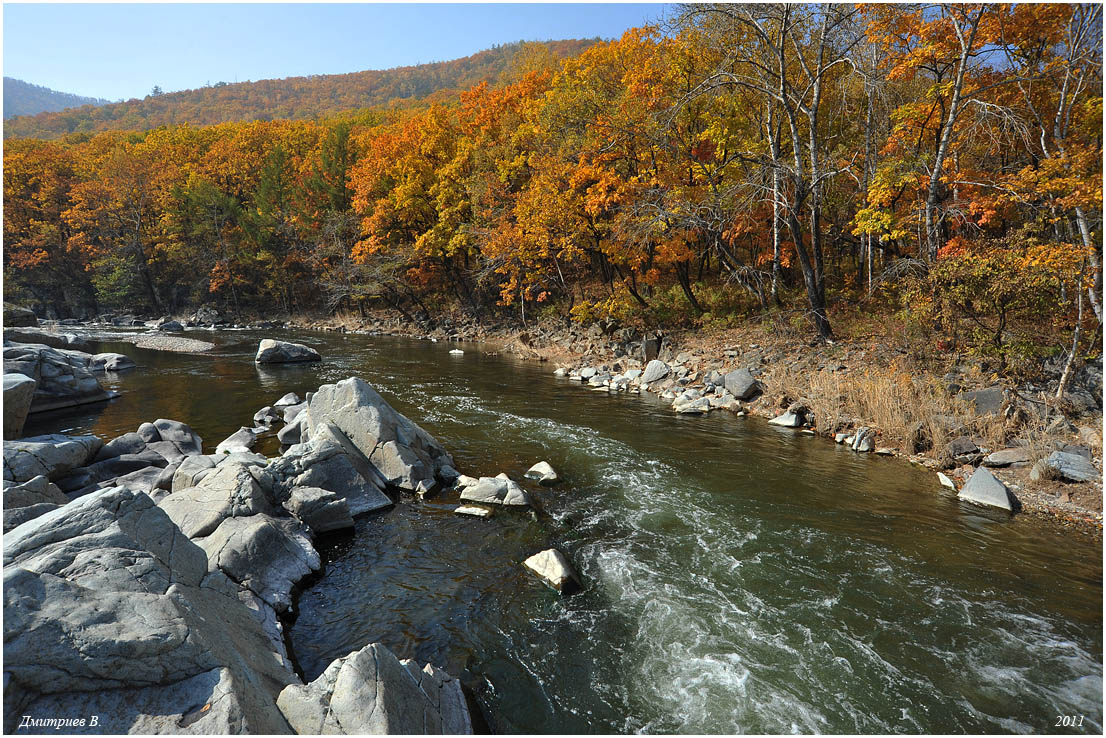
912	412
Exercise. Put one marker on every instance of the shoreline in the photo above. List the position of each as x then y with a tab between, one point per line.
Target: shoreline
1040	500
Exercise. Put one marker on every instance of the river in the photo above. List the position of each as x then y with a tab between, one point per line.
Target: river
739	578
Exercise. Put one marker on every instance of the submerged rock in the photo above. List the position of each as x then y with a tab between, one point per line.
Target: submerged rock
474	511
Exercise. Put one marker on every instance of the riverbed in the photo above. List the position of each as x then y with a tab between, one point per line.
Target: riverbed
738	577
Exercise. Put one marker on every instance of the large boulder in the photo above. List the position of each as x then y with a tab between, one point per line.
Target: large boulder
232	489
654	370
267	555
110	610
404	454
321	510
270	351
742	384
1067	466
64	378
371	692
51	456
983	488
241	441
34	491
15	316
327	463
19	389
987	401
553	568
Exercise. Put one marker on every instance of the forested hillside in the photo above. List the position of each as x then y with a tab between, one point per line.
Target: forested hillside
294	98
941	168
23	98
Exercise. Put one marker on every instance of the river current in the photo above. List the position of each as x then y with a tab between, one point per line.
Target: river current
739	578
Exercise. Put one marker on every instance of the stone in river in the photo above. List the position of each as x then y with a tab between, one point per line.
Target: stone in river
270	351
554	569
985	489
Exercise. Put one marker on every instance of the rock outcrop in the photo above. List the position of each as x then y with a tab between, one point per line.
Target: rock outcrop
63	376
111	611
371	692
404	454
19	390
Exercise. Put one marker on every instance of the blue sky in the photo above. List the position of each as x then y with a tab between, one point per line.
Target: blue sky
120	51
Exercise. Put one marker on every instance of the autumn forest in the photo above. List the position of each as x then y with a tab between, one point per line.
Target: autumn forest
939	165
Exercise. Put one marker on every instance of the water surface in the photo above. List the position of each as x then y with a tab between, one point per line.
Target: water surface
740	578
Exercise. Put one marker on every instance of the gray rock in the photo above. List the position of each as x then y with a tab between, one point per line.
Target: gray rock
962	446
554	569
266	416
474	511
945	481
19	389
182	436
191	471
1008	456
64	379
787	420
32	492
983	488
321	510
370	692
230	490
863	440
170	326
292	412
128	443
265	554
270	351
20	515
51	456
326	463
289	399
742	384
292	433
588	372
1072	467
110	362
496	491
107	604
543	473
401	451
654	370
241	440
987	401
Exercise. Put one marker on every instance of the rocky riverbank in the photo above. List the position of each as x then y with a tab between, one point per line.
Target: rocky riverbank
151	601
952	419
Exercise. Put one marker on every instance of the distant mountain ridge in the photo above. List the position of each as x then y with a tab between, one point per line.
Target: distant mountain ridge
290	98
24	98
